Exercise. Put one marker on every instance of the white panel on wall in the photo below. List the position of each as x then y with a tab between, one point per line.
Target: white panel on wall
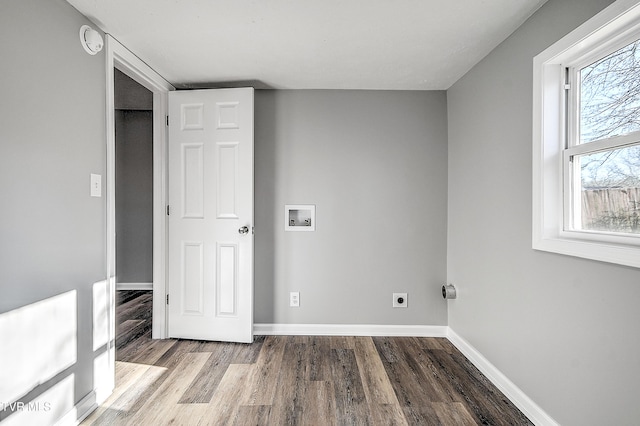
46	408
193	180
193	276
227	281
100	314
53	324
192	116
227	113
227	180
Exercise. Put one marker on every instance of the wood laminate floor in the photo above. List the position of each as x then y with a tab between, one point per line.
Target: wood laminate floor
293	380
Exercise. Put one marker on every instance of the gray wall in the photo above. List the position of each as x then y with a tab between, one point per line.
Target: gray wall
129	94
52	137
563	329
374	164
134	196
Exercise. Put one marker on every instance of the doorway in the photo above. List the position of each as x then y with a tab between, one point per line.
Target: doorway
119	57
134	211
134	184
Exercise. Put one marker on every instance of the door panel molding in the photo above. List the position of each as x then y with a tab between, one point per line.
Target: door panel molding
227	190
227	280
192	300
192	180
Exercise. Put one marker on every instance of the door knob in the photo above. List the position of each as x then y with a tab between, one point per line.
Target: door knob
243	230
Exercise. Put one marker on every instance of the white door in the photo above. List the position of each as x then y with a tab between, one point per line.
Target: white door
211	215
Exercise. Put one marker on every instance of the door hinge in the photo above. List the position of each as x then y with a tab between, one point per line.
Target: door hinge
567	86
167	210
167	299
167	120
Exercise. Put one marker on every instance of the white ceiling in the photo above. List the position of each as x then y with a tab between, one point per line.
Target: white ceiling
310	44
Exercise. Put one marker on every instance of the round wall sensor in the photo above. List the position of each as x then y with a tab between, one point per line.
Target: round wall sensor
91	40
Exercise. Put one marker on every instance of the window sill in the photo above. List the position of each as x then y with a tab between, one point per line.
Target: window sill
601	251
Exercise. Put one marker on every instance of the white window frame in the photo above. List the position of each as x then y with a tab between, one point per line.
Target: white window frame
552	199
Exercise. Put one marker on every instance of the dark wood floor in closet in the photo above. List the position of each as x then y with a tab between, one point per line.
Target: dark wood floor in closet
293	380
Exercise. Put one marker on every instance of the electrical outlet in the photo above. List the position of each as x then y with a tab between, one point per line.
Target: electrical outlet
294	299
399	300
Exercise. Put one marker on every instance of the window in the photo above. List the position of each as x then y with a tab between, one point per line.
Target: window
602	158
586	135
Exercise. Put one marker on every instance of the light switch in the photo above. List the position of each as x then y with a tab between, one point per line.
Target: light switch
96	185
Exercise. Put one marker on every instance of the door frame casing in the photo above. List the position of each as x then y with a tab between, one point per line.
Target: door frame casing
118	56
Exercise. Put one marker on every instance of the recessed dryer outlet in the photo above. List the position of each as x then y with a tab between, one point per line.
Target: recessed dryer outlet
399	300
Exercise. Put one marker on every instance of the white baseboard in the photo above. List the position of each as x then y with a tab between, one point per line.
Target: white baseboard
80	411
134	286
525	404
350	330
